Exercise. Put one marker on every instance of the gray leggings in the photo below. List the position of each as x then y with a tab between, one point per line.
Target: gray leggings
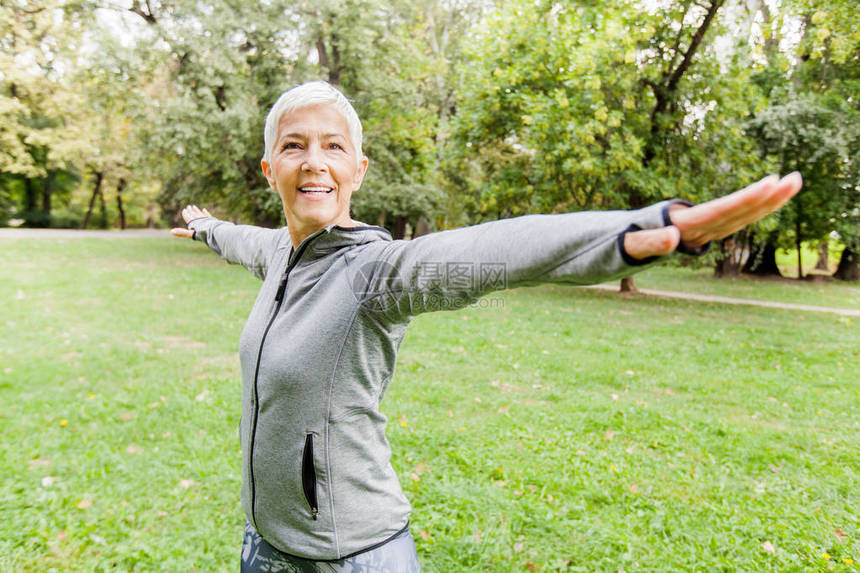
397	555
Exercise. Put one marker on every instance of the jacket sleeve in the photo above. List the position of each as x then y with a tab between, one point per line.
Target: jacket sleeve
246	245
452	269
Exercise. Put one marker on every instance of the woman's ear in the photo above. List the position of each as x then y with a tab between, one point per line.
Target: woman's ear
360	172
267	171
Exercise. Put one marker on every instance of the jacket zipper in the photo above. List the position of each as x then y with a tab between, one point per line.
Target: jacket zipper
279	299
309	475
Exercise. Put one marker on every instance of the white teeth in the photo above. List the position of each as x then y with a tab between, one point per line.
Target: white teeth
315	189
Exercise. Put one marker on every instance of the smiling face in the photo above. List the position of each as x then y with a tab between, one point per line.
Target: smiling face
315	169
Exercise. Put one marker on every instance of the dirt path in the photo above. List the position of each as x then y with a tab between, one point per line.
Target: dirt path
163	233
78	234
730	300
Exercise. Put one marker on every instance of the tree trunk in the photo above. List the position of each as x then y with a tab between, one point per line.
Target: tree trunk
762	261
120	186
771	41
330	63
746	25
32	215
97	189
421	228
627	286
47	190
29	195
849	266
729	263
144	10
399	227
336	69
726	267
322	53
799	250
103	219
823	263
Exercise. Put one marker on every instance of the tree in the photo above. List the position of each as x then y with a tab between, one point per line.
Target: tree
573	106
809	78
66	120
219	68
109	85
395	59
208	72
382	61
830	53
34	104
804	135
847	223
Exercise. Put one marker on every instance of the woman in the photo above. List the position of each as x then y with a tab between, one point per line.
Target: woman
319	348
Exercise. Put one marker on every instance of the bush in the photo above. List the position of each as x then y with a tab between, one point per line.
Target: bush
35	219
66	219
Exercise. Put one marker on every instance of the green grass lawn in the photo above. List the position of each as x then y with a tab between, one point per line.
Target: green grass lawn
556	429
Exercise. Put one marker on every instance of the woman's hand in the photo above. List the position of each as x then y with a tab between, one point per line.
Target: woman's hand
189	213
713	220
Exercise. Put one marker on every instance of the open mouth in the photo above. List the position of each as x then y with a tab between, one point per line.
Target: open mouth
315	191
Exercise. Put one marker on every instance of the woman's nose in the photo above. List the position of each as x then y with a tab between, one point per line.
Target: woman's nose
314	161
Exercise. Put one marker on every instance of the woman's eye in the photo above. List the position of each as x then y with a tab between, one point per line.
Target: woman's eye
335	146
290	145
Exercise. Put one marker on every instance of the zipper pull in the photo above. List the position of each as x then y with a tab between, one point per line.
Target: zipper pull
281	288
314	512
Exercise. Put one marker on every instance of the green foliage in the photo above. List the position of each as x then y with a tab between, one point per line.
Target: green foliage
831	54
847	223
833	36
204	132
212	75
36	145
802	134
471	109
76	92
410	201
392	78
574	107
810	124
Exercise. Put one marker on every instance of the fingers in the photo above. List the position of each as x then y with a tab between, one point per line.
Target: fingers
722	217
191	212
184	233
766	201
724	209
760	201
788	187
652	242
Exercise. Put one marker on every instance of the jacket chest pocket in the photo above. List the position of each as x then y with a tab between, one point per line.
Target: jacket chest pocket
309	475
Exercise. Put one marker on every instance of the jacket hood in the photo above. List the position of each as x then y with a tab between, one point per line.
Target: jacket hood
334	237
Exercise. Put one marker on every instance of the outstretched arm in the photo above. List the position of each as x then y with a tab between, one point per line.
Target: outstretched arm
450	269
446	270
695	226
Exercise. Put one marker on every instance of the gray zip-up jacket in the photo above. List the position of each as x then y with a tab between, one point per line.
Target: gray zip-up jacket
319	348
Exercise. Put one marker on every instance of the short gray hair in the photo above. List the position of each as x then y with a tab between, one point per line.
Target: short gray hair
307	95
